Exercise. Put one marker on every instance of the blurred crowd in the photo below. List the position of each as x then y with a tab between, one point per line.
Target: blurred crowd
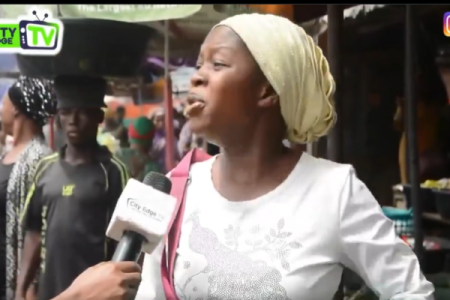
141	142
55	136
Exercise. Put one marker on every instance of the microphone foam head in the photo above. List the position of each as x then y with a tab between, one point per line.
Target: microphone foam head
158	181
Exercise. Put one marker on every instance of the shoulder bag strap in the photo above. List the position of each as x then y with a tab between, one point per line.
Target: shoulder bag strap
180	178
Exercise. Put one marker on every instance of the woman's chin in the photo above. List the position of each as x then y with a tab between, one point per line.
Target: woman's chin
198	125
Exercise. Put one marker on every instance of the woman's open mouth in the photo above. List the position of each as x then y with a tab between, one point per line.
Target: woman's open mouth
193	98
195	105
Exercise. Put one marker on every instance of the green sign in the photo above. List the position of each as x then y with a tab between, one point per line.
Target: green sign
13	11
130	13
9	36
133	13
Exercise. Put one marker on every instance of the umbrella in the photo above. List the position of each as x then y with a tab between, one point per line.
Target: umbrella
196	20
188	24
133	13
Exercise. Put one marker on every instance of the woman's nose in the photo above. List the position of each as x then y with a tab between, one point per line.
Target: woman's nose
197	79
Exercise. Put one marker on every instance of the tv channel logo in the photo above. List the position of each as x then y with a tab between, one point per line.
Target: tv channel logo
32	35
447	24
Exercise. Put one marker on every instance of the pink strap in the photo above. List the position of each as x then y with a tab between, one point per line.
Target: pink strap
179	177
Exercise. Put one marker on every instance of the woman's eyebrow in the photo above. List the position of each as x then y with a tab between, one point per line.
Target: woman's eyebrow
216	48
223	46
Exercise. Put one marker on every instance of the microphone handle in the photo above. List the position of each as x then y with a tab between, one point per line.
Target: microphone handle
129	247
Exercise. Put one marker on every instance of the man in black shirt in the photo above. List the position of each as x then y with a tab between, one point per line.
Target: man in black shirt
73	195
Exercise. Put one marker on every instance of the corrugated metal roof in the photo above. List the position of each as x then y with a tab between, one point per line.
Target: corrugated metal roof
355	11
320	25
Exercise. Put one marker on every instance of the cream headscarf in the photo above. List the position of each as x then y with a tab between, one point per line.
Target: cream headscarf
297	70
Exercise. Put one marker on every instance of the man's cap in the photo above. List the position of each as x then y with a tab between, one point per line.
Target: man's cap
73	91
141	131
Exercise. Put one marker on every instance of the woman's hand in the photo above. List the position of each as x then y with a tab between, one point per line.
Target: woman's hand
105	281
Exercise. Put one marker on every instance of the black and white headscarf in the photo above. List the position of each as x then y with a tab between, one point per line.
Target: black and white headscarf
34	98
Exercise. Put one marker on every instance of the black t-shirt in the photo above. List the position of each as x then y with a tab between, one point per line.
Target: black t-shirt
71	206
5	171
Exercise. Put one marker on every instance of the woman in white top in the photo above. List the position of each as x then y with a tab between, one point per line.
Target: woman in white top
263	221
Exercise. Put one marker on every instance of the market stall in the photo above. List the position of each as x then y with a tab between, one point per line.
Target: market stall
180	26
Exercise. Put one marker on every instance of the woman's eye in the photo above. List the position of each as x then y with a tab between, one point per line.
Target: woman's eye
218	64
197	67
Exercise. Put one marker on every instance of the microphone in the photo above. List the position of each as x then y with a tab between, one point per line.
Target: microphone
142	216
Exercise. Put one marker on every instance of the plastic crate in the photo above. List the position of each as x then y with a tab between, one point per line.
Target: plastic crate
427	198
402	218
443	203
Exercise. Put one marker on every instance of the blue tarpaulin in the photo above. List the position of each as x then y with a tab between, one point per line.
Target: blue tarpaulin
8	63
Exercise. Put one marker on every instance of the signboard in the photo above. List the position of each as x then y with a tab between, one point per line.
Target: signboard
181	79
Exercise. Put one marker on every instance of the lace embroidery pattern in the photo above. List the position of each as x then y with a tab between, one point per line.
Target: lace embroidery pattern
231	271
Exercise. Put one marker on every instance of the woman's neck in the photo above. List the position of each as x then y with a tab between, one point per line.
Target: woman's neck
253	157
254	154
23	133
248	165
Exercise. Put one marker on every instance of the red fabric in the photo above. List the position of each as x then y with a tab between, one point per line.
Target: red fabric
179	177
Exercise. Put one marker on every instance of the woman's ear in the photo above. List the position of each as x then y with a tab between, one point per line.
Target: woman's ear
268	96
15	111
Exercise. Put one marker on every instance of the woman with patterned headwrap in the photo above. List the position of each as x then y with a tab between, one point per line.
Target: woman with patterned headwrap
26	109
137	157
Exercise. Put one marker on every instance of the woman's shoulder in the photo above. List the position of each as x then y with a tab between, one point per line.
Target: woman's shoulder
37	150
320	182
324	171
